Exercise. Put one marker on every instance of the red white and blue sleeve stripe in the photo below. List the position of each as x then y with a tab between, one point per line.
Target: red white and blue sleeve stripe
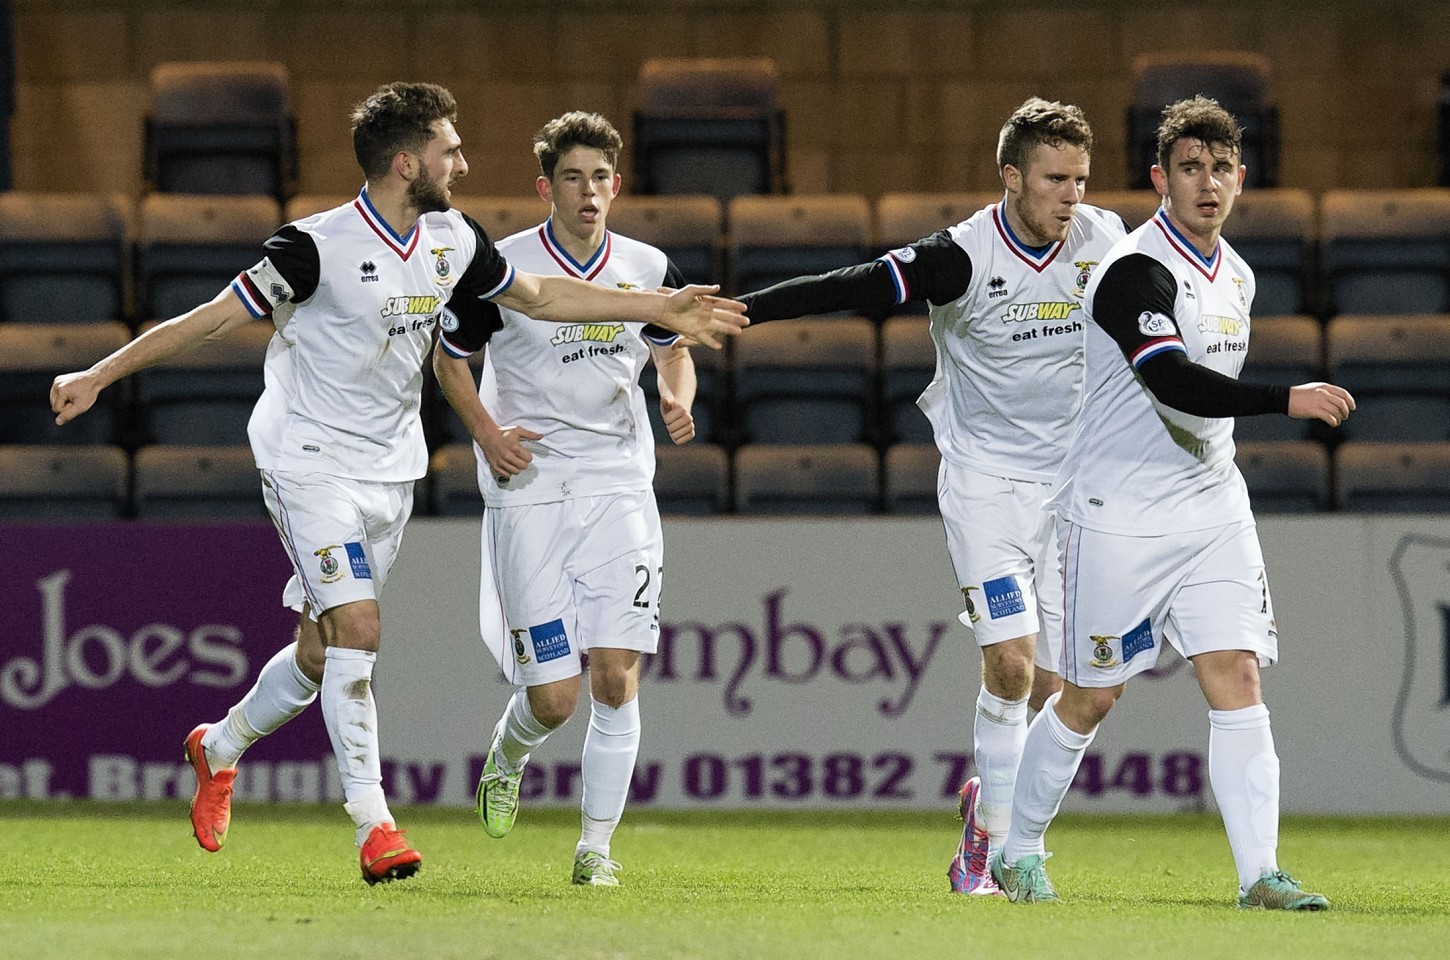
1153	348
898	279
504	284
252	297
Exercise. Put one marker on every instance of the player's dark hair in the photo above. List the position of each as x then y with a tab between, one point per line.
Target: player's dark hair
1041	121
1199	118
576	129
398	116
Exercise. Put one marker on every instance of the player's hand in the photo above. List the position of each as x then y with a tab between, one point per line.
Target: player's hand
693	311
678	421
504	452
72	394
1320	401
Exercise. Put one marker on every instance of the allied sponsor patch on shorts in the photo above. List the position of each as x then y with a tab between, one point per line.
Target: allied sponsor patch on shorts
549	640
359	561
1004	597
1137	640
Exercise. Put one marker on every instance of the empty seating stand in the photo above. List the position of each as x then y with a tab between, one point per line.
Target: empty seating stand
1393	477
63	483
692	480
841	480
1398	369
811	380
778	238
63	257
686	228
31	356
911	478
1285	351
1285	477
1386	251
205	396
191	247
1274	231
198	483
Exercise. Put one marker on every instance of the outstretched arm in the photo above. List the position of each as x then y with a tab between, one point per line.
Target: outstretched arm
72	394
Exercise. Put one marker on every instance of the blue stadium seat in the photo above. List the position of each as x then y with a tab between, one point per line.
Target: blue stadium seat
777	238
811	479
686	228
204	397
1286	351
908	363
63	257
63	483
1274	231
221	128
809	380
1285	477
191	247
1398	369
1393	477
31	356
911	478
1386	251
709	122
198	483
692	480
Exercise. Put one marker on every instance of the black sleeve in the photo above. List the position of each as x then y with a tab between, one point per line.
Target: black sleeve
468	323
652	331
488	273
935	269
1134	303
293	254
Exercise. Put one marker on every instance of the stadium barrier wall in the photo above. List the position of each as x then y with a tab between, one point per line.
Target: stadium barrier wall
803	663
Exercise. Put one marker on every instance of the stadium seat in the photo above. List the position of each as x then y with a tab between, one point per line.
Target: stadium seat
686	228
504	216
911	475
692	480
221	128
1136	207
908	363
305	205
709	124
1274	231
205	396
810	380
71	483
777	238
1398	369
1237	80
1286	351
192	247
63	257
453	472
198	483
709	407
1286	477
1386	251
1393	477
31	356
809	479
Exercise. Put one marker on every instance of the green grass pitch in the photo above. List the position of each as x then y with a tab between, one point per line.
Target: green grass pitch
106	881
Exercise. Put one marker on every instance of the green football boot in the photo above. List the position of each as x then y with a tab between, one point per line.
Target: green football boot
498	797
1279	891
1026	880
594	869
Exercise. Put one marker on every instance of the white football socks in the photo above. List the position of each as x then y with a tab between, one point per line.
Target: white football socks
518	733
1050	759
610	748
1244	771
281	692
998	734
352	725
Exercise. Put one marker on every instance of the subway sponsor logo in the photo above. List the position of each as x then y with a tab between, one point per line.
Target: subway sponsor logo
1047	310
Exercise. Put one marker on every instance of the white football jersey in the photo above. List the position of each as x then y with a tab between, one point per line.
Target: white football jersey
355	306
577	383
1009	350
1135	466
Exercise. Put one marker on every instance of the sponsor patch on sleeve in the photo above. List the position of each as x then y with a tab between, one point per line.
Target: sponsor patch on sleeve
1152	324
1004	597
1137	640
549	640
358	560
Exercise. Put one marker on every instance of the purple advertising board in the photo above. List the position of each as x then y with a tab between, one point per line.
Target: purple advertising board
118	639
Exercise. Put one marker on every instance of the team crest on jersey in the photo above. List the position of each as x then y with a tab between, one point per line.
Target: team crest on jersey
442	269
521	656
1239	289
1103	656
627	285
1084	273
331	569
972	613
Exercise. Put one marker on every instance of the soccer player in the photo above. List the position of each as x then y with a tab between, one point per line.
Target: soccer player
573	554
1158	542
1005	290
355	294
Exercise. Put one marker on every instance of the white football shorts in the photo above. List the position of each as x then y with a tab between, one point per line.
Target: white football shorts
1201	591
561	578
342	535
1003	550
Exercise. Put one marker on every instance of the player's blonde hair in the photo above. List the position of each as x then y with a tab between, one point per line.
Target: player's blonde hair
398	116
576	129
1041	121
1199	118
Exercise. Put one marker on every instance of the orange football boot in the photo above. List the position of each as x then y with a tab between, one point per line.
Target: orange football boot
211	805
387	856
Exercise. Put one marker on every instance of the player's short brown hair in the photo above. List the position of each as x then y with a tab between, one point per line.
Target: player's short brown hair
1198	118
1041	121
397	116
576	129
